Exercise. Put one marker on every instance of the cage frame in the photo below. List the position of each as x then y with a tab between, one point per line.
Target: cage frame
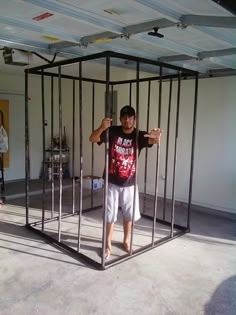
182	73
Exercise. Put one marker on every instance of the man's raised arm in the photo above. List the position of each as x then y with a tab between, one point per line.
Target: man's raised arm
154	136
96	134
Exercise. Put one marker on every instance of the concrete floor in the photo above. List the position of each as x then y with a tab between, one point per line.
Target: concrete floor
192	275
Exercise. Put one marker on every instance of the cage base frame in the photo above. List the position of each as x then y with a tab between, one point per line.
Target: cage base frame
91	262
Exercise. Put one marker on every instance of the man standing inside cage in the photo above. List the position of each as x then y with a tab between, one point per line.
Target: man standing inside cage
122	170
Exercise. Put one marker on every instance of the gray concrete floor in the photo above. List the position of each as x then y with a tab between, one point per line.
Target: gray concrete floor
192	275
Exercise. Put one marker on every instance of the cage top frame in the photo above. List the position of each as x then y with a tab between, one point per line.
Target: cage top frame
39	70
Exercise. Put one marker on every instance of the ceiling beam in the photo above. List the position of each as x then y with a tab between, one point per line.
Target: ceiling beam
99	38
112	27
170	13
202	55
116	27
175	58
217	53
222	72
147	26
167	44
125	32
31	46
56	47
211	55
209	20
223	62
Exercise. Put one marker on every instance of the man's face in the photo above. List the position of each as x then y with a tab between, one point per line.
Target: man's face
127	122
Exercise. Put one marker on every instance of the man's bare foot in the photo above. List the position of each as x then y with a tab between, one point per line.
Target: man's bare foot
126	247
108	251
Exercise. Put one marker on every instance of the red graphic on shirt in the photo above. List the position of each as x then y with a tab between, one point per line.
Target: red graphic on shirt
122	158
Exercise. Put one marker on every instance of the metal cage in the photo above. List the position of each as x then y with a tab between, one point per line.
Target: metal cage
158	215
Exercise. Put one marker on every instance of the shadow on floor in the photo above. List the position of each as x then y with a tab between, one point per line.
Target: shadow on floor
223	299
213	226
21	238
203	224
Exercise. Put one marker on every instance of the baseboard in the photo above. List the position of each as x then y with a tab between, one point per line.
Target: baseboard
197	208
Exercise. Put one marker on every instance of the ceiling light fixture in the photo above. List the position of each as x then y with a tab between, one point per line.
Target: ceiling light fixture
155	33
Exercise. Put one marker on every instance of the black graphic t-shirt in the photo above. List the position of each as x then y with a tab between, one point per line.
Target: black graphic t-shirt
122	155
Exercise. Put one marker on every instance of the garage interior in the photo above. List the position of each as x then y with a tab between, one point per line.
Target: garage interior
198	267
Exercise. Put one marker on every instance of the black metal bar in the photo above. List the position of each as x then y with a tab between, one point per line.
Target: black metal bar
146	150
144	249
130	94
166	223
167	150
81	155
27	170
148	61
112	101
70	77
157	161
108	112
92	162
108	83
65	248
73	147
44	160
65	215
113	55
137	155
164	78
52	152
175	156
70	61
60	151
192	149
111	263
157	78
160	99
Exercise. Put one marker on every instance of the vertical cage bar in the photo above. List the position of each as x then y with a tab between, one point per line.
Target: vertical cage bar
81	154
137	154
27	170
192	150
175	155
92	162
146	150
73	147
60	152
44	160
112	101
157	162
130	94
52	152
167	150
107	114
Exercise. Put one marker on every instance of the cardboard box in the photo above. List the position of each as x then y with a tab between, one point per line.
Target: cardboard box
97	182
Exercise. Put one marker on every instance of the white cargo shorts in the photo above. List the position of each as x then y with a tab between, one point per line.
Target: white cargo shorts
122	197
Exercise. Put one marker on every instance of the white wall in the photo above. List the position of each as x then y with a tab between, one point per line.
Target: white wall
215	166
214	183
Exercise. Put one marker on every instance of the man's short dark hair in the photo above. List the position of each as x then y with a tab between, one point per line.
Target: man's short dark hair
127	110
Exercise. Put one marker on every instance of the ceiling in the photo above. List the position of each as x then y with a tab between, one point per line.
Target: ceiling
199	35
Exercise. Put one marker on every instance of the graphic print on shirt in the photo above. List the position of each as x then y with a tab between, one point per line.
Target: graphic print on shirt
123	156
